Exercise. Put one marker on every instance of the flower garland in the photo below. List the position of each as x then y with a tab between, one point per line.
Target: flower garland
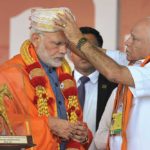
38	81
68	87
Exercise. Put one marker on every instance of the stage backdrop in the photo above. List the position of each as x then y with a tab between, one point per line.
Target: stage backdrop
130	11
15	24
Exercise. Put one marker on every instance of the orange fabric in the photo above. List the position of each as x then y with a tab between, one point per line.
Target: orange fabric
53	109
23	93
127	104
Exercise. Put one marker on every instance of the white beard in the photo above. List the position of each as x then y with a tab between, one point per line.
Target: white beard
46	58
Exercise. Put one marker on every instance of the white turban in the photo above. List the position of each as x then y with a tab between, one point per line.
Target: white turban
42	19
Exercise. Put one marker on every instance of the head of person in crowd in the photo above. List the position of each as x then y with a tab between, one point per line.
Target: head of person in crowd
138	43
50	44
80	64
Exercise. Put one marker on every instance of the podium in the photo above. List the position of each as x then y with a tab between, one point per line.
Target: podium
15	142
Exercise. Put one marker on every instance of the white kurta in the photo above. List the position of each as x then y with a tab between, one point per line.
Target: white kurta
138	130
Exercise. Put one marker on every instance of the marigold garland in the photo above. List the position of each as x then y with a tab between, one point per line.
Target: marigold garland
70	93
37	79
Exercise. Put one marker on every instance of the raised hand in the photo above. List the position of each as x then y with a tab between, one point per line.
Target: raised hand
67	23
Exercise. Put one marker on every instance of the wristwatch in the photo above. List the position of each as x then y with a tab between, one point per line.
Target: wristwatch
81	42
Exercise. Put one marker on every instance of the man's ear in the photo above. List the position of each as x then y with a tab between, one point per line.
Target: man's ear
35	38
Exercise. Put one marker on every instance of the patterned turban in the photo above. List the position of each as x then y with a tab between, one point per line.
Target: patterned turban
42	19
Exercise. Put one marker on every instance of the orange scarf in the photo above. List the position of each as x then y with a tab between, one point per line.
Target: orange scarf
127	104
44	98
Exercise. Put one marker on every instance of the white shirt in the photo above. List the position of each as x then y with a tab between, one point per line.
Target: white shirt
90	104
138	129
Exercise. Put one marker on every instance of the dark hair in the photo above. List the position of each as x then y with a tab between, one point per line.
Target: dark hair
90	30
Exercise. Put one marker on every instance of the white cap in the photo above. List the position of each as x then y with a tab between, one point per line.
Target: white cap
42	19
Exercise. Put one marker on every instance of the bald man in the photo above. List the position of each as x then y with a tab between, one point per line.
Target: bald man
129	123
